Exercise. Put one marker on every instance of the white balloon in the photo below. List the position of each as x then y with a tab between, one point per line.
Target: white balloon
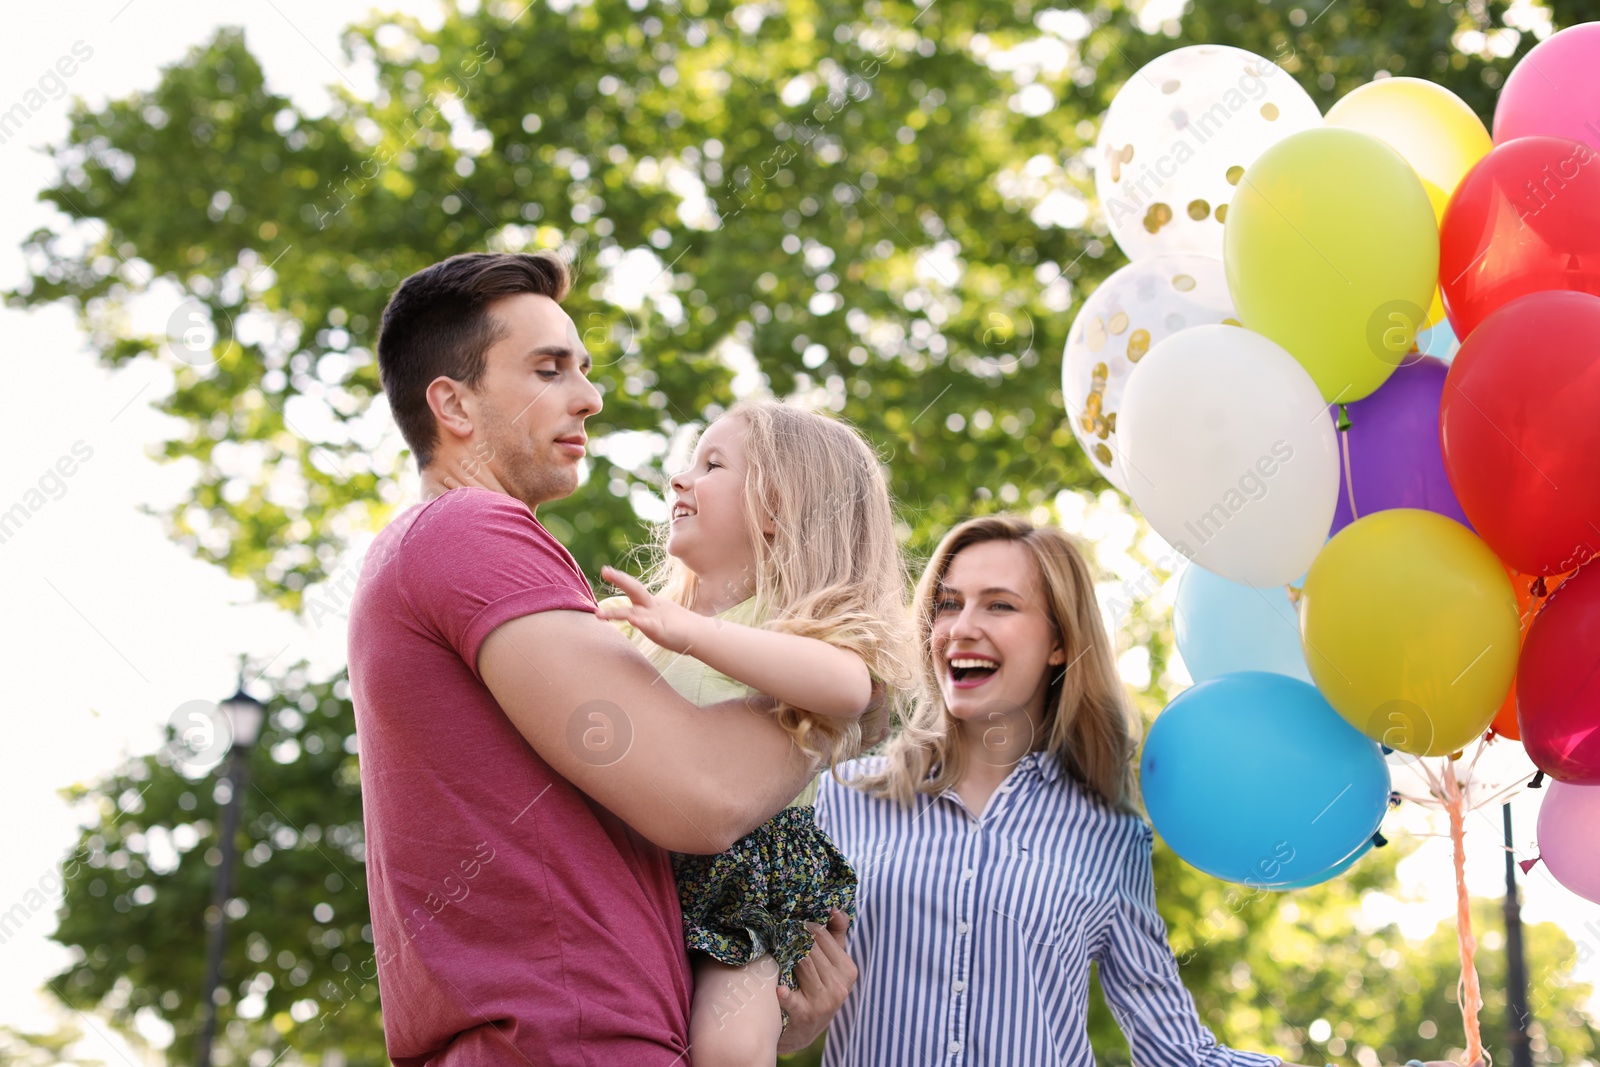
1228	451
1180	134
1136	308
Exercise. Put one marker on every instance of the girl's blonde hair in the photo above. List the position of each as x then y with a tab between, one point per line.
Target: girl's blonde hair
1089	724
832	569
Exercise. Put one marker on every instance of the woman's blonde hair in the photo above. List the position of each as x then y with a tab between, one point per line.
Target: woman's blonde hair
1088	725
832	569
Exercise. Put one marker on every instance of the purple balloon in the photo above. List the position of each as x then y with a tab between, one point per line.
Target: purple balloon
1395	459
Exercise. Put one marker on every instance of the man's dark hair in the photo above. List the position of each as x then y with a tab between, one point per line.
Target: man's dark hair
438	323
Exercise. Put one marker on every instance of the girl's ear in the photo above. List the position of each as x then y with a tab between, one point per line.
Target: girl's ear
1058	656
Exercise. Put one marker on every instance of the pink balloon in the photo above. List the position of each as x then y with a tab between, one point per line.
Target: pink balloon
1554	90
1567	821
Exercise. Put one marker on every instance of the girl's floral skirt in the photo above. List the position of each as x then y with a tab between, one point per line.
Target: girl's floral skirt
757	897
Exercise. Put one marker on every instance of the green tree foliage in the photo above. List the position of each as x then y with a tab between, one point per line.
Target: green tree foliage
839	199
20	1048
839	194
299	967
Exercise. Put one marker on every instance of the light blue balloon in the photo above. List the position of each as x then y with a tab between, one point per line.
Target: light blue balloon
1439	341
1224	626
1253	778
1332	872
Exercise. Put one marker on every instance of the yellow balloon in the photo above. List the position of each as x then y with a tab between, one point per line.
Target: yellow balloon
1331	250
1410	629
1433	128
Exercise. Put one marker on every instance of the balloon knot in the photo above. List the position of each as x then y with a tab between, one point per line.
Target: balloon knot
1394	799
1538	781
1528	865
1538	588
1344	419
1378	840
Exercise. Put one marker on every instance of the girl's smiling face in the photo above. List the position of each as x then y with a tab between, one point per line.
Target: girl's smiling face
708	531
993	644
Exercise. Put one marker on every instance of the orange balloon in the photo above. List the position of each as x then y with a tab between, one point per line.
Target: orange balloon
1528	605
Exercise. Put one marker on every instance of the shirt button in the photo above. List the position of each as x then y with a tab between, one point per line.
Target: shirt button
955	1046
968	873
961	927
958	985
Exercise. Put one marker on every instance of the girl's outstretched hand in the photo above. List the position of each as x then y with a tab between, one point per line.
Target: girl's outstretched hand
671	626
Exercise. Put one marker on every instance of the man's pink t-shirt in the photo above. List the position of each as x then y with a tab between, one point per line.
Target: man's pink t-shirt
514	919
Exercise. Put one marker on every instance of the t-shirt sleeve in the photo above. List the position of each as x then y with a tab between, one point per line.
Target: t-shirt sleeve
475	562
623	625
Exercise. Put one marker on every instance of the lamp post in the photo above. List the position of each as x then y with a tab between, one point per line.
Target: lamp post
244	714
1516	967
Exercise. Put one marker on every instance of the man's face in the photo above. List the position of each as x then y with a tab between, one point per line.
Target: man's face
531	403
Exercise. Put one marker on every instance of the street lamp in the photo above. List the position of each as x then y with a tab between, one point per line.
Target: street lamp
1516	967
244	714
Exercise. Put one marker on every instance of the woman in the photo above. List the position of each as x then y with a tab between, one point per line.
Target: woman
998	842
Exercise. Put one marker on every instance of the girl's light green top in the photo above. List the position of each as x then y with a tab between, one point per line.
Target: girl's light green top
696	682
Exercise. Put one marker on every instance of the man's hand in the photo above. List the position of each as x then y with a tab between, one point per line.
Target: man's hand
671	626
822	981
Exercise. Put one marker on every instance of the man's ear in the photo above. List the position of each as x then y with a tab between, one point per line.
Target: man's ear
446	399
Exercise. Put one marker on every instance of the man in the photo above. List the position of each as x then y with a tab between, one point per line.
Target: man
522	774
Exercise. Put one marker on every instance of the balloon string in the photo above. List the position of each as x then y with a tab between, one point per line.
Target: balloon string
1344	450
1467	991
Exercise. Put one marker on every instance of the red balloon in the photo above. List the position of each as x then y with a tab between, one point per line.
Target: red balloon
1524	219
1519	425
1558	682
1528	605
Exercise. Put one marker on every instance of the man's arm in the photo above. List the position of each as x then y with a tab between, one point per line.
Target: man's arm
689	779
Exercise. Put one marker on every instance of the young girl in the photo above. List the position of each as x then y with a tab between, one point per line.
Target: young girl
999	841
780	572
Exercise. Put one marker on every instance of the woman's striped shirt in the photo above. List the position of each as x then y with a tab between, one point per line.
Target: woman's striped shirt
973	935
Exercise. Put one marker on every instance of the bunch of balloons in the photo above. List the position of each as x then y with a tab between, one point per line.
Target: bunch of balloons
1352	373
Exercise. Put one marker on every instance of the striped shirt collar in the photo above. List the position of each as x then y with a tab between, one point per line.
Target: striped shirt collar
1038	763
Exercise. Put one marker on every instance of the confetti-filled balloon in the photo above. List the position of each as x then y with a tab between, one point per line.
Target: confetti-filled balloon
1179	135
1138	307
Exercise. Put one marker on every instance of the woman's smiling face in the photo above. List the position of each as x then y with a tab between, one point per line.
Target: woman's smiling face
993	644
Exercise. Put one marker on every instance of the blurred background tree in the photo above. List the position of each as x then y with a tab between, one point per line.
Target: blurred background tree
884	209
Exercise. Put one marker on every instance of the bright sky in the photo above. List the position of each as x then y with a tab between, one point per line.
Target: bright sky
114	627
